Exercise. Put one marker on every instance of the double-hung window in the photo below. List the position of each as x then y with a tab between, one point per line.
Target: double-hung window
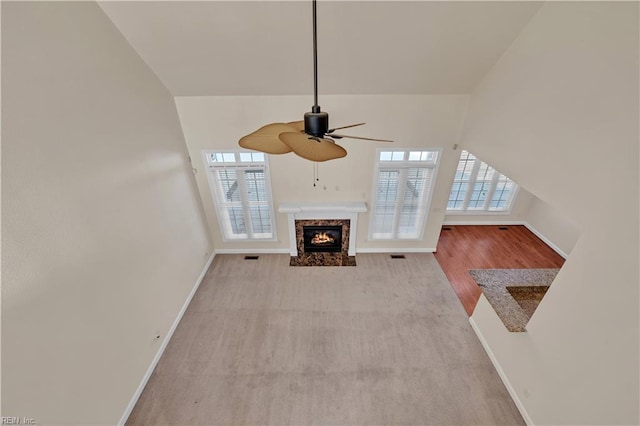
478	187
240	186
404	183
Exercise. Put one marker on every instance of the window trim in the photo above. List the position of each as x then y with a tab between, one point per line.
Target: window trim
473	178
239	165
403	166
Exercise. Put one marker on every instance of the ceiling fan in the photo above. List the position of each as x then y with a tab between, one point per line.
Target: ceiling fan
311	138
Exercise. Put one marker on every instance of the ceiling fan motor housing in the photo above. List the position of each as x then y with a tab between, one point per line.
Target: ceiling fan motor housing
316	123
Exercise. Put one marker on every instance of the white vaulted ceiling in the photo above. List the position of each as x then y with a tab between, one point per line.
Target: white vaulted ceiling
211	48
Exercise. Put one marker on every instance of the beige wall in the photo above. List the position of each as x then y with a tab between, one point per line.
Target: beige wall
518	213
103	236
559	114
211	123
557	228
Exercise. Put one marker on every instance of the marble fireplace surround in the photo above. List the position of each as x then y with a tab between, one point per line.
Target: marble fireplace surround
323	211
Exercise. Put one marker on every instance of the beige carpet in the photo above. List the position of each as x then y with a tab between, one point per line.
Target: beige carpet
383	343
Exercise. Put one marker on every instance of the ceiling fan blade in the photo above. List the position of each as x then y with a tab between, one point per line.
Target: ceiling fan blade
311	147
359	137
265	139
299	125
344	127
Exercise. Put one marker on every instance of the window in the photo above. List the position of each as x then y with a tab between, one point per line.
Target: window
478	187
404	182
240	185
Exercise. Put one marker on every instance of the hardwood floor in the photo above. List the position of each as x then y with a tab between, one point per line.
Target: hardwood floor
464	247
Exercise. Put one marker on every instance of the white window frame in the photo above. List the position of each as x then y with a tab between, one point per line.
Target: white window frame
221	205
464	209
403	166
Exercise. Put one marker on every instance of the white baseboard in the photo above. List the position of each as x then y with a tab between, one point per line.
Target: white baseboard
484	222
253	251
164	344
396	250
546	240
501	373
360	250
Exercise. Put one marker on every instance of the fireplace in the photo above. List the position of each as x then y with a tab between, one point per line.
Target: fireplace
322	238
338	214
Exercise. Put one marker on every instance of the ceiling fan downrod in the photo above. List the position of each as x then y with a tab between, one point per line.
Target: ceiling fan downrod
316	122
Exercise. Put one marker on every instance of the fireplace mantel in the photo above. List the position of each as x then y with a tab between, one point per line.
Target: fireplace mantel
304	211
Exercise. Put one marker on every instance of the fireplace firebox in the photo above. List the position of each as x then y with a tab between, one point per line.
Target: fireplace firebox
322	238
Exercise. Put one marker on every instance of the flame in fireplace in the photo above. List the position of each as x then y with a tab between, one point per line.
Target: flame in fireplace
322	238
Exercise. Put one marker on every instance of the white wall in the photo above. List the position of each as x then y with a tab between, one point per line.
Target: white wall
559	114
0	233
103	235
211	123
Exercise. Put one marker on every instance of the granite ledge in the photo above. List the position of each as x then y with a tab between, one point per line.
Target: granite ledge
494	283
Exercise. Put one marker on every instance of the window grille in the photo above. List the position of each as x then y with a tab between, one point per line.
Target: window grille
478	187
404	183
240	187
